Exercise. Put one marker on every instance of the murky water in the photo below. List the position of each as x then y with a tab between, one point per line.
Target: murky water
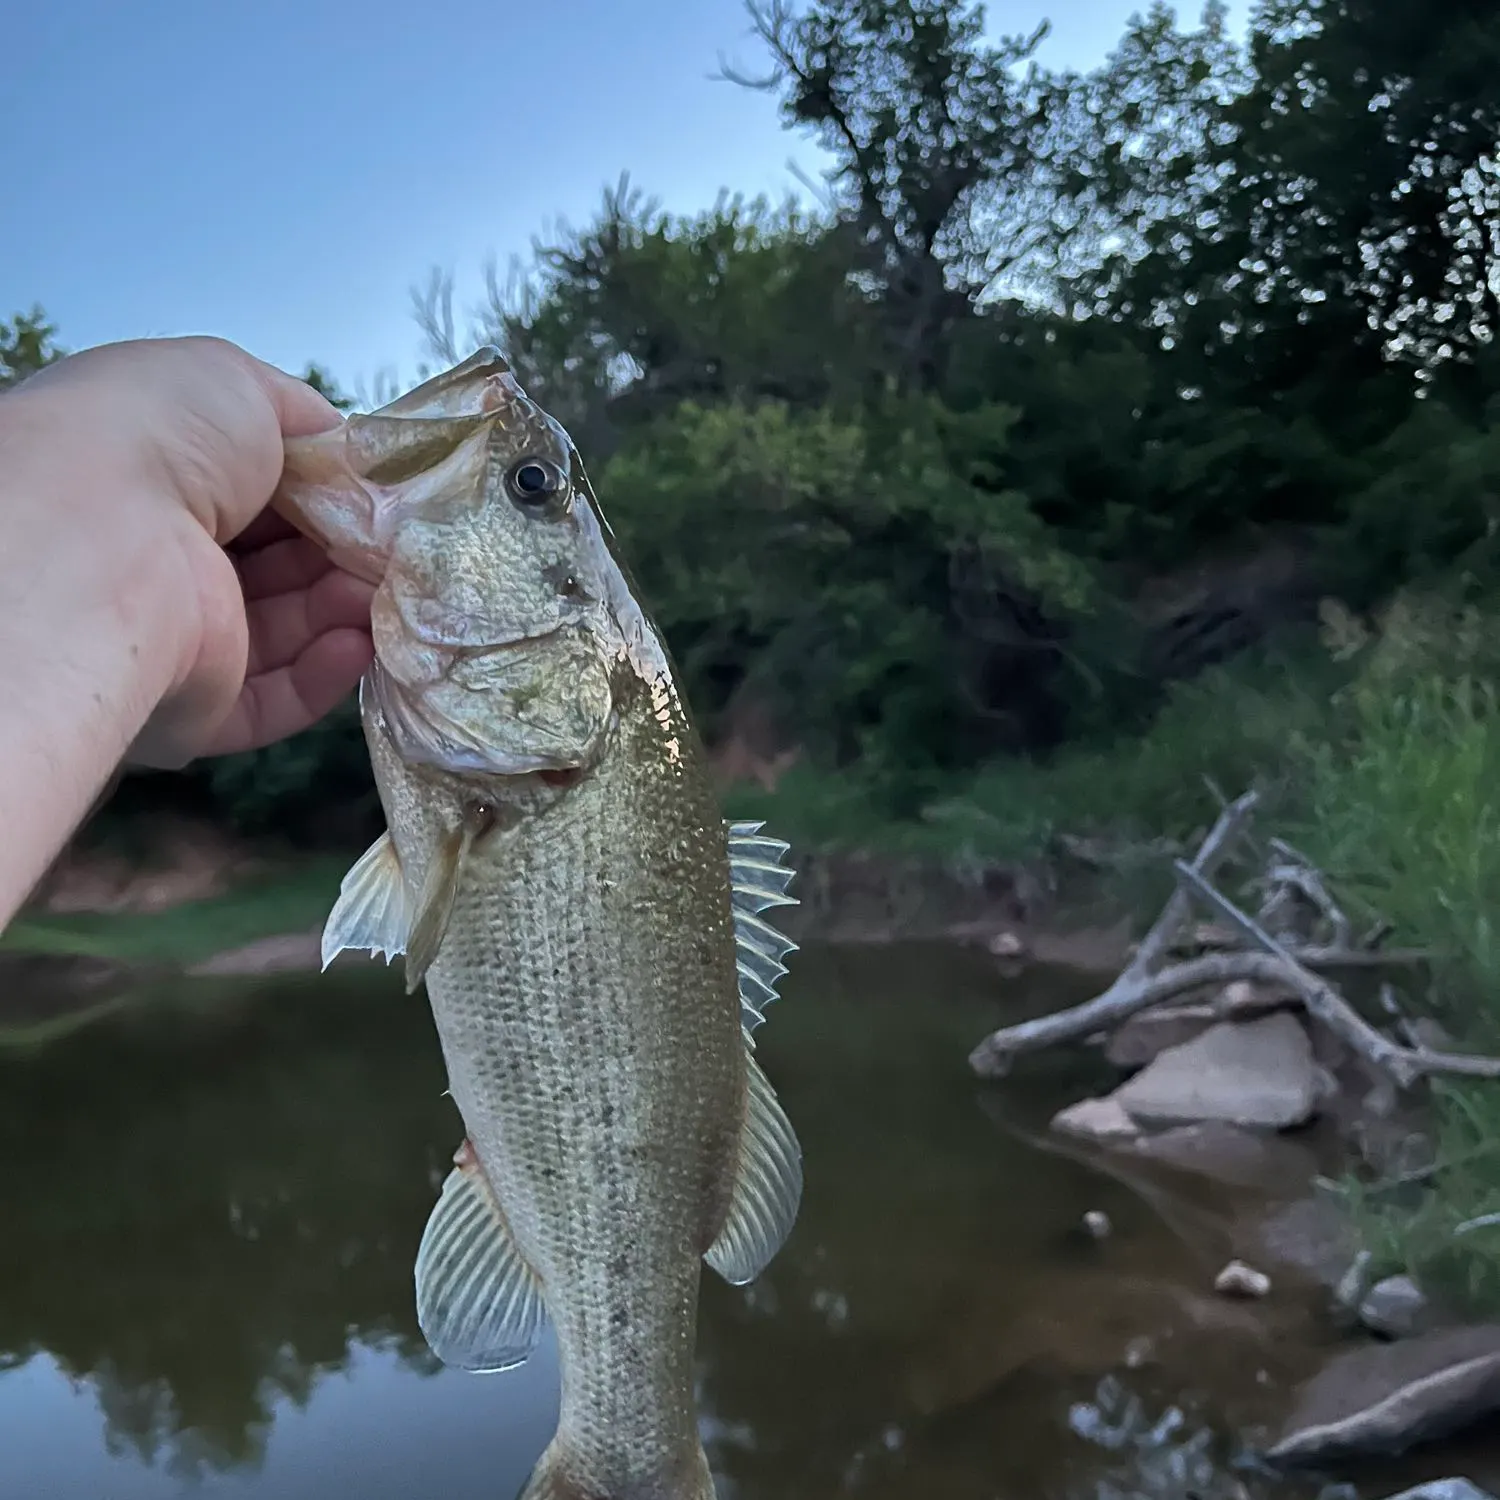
210	1209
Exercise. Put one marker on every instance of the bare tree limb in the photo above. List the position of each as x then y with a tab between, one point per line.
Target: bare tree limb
1313	956
1137	987
1404	1064
1127	995
1298	871
1214	850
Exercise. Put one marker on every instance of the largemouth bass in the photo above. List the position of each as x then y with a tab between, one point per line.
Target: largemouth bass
556	869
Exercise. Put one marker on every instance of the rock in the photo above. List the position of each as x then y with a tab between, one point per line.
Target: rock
1098	1225
1230	1154
1445	1489
1396	1307
1148	1033
1096	1120
1006	945
1253	1073
1214	935
1428	1032
1381	1399
1243	998
1310	1234
1239	1280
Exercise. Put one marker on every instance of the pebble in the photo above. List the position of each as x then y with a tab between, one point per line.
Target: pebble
1239	1280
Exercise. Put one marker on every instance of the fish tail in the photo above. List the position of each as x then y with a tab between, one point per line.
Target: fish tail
554	1478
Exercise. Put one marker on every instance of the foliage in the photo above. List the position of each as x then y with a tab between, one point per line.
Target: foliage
850	572
27	344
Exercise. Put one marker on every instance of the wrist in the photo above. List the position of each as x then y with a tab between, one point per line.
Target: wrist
91	643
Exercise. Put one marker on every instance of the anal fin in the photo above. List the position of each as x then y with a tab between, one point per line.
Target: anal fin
767	1188
371	912
479	1305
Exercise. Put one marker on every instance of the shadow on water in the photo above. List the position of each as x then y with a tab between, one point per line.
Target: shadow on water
212	1204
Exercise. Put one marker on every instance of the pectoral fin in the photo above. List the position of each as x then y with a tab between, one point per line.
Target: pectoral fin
767	1189
371	912
435	904
479	1305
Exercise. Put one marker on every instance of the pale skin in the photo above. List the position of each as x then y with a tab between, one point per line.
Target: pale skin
152	609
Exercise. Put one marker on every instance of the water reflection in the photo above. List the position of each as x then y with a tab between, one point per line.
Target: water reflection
212	1206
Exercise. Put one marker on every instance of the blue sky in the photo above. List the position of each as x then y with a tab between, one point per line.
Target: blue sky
282	173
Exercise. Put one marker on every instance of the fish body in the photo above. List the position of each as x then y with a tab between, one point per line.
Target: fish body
556	868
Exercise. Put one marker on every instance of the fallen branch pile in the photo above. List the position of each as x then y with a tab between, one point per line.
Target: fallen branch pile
1274	950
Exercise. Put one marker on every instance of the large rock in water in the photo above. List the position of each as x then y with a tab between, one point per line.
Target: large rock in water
1445	1489
1382	1399
1255	1073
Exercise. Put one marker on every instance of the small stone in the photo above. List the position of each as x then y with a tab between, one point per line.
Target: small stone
1006	945
1241	997
1396	1307
1097	1223
1430	1033
1213	935
1239	1280
1445	1489
1096	1120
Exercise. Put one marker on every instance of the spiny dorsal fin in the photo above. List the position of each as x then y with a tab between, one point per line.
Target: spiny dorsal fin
758	879
371	912
479	1306
767	1186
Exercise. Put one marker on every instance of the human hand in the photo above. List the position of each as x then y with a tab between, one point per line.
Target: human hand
171	449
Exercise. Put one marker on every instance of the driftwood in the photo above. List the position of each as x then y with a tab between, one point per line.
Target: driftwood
1296	898
1139	985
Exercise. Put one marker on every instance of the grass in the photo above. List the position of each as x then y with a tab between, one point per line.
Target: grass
291	900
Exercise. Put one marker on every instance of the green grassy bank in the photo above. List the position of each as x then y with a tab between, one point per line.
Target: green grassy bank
1376	746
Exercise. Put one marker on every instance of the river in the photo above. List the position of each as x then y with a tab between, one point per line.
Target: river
211	1206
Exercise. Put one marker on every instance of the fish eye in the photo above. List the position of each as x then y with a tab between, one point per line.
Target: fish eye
532	482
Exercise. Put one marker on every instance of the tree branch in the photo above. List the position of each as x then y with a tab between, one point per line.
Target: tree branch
1131	992
1214	850
1404	1064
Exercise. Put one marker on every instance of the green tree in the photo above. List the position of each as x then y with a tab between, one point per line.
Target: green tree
28	343
938	142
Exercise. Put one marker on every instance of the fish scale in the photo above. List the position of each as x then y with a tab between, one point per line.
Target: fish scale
591	934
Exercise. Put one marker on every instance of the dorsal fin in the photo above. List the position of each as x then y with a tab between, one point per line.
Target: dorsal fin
758	879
